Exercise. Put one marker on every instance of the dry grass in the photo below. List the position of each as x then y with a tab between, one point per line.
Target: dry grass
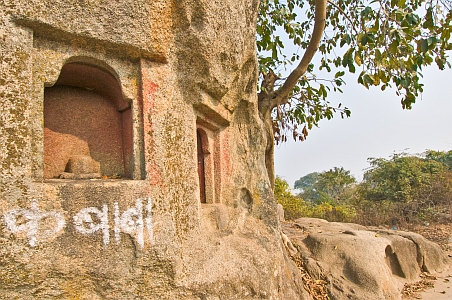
412	290
437	233
315	287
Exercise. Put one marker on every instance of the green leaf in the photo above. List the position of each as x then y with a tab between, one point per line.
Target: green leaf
366	11
440	63
405	82
358	59
377	56
393	47
339	74
345	40
424	45
401	3
431	41
428	23
363	40
368	79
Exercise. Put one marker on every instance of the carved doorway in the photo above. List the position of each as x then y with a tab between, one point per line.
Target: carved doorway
201	167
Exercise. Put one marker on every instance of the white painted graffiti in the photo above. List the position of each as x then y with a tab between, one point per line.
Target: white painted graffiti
32	218
84	217
131	221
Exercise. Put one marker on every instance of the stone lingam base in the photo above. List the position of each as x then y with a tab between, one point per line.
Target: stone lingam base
81	167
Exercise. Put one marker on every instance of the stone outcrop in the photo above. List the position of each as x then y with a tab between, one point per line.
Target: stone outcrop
358	262
162	94
134	85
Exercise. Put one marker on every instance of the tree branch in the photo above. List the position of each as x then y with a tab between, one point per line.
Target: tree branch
343	14
282	94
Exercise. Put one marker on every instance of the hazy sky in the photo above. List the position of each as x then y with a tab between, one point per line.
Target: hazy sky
377	127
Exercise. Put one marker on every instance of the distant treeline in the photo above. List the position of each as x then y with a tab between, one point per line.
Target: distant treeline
403	189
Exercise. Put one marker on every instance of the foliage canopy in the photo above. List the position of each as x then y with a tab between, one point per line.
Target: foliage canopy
405	178
327	186
386	42
296	207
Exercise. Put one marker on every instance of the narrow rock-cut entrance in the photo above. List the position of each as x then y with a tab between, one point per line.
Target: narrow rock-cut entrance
212	158
86	115
201	166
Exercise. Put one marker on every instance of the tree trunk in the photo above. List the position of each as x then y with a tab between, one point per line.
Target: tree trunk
270	149
269	98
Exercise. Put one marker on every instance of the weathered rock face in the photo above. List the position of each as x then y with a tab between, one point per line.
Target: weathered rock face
180	77
363	263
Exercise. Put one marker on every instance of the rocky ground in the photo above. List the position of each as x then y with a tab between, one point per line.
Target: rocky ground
439	286
431	288
349	261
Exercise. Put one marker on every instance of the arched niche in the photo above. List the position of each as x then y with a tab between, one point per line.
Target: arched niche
85	113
